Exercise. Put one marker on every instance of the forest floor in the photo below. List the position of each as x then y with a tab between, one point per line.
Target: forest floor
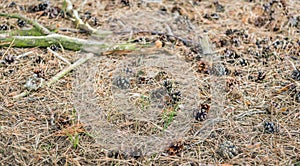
173	103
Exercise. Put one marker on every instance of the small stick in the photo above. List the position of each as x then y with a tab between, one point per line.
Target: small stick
58	75
293	65
72	30
248	113
82	5
184	41
23	94
68	69
169	30
208	123
10	45
25	54
58	56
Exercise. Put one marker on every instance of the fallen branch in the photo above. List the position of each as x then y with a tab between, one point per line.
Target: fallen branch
67	42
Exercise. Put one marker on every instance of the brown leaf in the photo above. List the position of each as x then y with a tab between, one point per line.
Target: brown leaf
175	147
77	128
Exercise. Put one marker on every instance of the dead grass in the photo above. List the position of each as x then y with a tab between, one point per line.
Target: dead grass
48	127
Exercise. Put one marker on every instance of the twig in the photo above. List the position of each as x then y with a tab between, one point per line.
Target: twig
82	5
206	46
186	42
248	113
169	30
72	30
81	25
208	123
58	75
10	45
293	65
23	55
155	125
58	56
35	24
23	94
69	68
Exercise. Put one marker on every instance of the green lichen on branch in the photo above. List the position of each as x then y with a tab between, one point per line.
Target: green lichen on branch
42	41
28	32
69	43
